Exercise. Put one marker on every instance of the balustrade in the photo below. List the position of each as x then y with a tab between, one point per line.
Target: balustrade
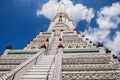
17	73
57	73
91	75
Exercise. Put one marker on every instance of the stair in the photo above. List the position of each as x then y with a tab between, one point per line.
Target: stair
40	70
53	48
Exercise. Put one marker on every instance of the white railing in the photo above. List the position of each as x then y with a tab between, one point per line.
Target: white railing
51	39
56	73
52	64
18	72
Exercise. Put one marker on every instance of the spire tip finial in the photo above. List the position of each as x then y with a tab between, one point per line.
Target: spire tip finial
62	8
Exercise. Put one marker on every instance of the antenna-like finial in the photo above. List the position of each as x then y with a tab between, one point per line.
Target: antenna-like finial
62	8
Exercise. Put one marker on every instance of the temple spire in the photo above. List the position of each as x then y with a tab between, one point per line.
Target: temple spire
62	8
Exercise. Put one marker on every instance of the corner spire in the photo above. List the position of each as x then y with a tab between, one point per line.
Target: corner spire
62	8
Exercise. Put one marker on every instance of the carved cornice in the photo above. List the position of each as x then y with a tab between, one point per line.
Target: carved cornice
91	75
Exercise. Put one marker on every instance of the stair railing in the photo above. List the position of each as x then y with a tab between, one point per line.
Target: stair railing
48	73
57	71
18	72
51	40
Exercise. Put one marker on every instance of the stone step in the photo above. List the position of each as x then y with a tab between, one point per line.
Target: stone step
52	51
47	57
34	77
45	61
39	70
42	66
37	73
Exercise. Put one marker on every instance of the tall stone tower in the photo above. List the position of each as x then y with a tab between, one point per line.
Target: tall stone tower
61	53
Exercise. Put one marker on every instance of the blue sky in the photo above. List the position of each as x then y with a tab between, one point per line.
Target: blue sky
22	20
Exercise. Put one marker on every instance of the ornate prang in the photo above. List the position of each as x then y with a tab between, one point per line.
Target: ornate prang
9	47
60	46
62	8
68	55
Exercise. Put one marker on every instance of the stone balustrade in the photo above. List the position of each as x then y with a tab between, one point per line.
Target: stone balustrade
57	70
86	55
11	61
77	45
24	56
3	73
84	59
7	67
90	67
91	75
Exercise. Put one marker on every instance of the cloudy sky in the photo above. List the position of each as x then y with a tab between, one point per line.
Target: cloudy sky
22	20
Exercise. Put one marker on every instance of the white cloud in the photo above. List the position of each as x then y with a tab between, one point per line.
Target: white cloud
49	9
114	44
109	16
77	12
102	35
96	34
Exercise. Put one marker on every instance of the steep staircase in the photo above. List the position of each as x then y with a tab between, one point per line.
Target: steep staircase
40	71
53	47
